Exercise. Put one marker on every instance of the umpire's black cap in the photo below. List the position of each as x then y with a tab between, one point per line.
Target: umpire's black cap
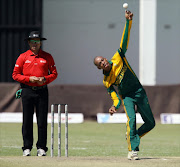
35	34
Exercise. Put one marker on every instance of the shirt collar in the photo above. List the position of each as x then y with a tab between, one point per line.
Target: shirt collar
107	73
32	54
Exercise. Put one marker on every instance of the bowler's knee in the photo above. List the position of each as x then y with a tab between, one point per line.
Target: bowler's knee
152	124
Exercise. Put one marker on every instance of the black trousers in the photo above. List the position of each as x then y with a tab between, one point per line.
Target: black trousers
34	100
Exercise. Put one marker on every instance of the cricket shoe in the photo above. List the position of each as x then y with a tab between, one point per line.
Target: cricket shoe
41	152
133	155
26	152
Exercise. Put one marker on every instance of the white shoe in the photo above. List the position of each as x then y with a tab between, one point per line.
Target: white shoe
26	152
133	155
41	152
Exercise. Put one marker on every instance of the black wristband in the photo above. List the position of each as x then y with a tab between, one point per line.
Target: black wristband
44	80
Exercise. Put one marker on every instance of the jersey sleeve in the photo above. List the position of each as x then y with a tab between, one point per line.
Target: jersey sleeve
114	96
18	70
125	36
52	70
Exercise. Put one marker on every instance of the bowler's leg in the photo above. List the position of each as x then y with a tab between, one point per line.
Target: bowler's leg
133	139
146	114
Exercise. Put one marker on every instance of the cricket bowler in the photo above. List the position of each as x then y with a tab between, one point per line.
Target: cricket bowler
118	72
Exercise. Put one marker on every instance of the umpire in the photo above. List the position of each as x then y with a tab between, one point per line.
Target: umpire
34	69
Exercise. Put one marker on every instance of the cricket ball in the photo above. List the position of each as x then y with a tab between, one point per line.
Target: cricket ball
125	5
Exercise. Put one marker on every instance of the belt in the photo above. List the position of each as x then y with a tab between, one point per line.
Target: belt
34	87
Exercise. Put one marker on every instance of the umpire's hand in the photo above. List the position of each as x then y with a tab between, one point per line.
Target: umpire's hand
33	79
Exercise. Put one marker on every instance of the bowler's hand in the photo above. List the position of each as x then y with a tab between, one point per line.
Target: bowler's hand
33	79
112	110
128	15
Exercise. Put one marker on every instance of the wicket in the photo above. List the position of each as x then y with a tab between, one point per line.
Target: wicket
59	129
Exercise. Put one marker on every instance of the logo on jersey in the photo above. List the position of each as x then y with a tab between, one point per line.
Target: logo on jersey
116	65
42	61
16	65
27	61
121	75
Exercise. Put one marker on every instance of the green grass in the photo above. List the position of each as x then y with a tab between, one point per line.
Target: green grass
91	142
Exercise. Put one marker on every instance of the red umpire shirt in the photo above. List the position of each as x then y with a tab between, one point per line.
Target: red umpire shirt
41	65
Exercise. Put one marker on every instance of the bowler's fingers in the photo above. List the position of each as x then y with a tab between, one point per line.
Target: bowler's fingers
129	15
112	110
128	11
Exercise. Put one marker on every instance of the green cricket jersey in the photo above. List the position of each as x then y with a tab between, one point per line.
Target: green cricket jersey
121	74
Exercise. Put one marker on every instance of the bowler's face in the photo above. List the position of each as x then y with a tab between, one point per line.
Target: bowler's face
102	63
